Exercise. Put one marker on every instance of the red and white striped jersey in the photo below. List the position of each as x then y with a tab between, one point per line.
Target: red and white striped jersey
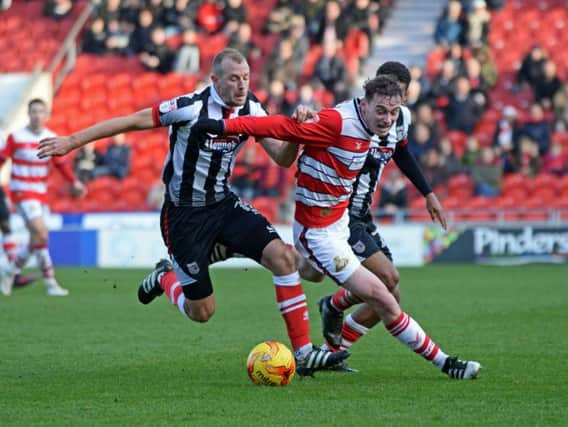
29	174
335	148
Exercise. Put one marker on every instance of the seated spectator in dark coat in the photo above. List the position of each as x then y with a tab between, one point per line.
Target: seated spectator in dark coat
537	128
449	27
306	97
299	40
420	140
506	137
142	35
487	174
242	41
471	153
188	55
118	37
528	160
86	161
116	160
157	55
433	169
443	84
282	66
58	9
94	40
180	16
333	23
331	72
234	14
450	162
546	88
532	67
464	108
394	193
425	115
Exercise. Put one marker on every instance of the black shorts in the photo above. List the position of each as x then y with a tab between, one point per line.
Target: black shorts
191	232
4	208
365	239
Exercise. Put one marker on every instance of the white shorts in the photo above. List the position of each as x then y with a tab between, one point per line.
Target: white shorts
31	209
327	249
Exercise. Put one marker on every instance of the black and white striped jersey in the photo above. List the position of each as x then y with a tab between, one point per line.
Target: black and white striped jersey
380	152
197	169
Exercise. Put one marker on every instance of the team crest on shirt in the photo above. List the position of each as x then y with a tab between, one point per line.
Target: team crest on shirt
224	144
400	133
340	263
168	106
359	247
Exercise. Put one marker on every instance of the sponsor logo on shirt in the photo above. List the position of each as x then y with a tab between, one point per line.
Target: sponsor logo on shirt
225	144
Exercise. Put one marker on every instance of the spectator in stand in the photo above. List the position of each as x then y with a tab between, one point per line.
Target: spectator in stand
414	95
420	140
464	108
363	17
450	162
129	10
537	128
443	84
116	159
449	27
425	115
312	11
477	24
394	194
157	55
86	161
282	66
331	72
299	40
556	161
506	136
94	40
488	68
278	19
187	59
210	16
333	23
58	9
433	169
471	153
234	14
487	173
242	41
307	99
157	9
244	179
473	74
532	67
180	16
142	35
458	55
275	101
560	105
528	160
118	37
417	73
108	10
546	88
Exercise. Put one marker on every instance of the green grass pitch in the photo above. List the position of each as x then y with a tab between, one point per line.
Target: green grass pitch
98	357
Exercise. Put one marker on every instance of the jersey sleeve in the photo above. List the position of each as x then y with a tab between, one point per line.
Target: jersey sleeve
176	110
323	130
7	149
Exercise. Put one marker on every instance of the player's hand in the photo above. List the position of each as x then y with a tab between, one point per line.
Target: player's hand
78	189
303	113
435	210
58	146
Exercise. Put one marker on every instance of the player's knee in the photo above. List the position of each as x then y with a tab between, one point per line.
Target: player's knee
308	273
201	314
279	258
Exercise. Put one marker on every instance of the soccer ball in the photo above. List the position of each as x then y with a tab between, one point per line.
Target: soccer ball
271	363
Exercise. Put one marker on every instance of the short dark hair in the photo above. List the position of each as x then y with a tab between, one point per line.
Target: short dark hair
382	85
396	69
232	54
36	101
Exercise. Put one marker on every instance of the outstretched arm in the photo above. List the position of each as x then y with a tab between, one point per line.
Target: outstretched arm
409	166
59	146
283	153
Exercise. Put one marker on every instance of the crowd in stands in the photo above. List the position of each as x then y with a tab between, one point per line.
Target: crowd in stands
314	54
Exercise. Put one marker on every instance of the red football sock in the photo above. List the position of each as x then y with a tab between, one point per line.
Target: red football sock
171	286
351	332
294	309
343	299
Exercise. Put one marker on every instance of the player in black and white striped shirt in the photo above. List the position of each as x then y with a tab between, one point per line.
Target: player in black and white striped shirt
200	209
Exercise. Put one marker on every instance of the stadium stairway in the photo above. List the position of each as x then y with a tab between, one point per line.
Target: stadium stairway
408	35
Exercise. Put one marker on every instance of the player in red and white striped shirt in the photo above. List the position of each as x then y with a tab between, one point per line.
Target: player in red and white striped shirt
336	144
28	188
